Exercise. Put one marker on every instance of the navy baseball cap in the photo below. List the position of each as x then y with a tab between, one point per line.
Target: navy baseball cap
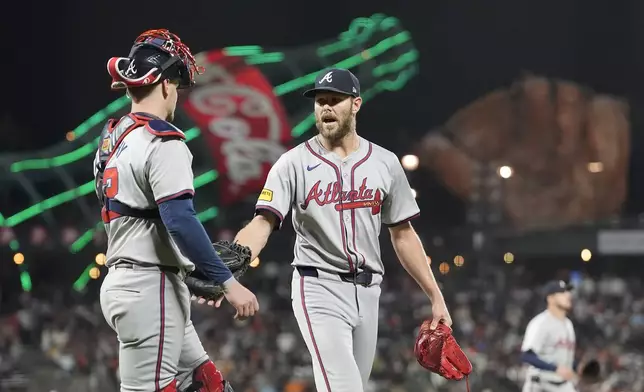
337	80
556	286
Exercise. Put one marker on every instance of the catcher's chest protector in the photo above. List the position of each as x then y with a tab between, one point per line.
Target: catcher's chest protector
111	137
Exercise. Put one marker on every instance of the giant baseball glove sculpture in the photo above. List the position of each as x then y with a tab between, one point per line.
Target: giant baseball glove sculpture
438	352
235	256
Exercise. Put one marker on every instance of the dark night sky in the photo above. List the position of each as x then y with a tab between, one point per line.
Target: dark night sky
467	48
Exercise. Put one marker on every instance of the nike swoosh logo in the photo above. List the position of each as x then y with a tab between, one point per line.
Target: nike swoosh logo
309	168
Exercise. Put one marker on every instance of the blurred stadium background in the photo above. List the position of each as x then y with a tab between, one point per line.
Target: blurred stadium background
519	125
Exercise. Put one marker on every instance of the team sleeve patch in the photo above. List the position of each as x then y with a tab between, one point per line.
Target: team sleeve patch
266	195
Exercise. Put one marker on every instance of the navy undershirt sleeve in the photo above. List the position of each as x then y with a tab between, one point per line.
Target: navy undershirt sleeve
530	357
181	221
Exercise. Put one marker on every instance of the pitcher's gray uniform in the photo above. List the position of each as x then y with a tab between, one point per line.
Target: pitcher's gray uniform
553	340
338	207
147	307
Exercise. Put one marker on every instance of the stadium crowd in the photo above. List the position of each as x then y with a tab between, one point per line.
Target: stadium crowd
56	343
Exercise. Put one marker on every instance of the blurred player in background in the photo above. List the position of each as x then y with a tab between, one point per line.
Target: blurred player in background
549	344
144	181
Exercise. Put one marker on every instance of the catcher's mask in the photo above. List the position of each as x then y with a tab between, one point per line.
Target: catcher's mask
155	55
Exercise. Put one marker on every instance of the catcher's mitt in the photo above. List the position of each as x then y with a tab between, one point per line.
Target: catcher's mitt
235	256
438	352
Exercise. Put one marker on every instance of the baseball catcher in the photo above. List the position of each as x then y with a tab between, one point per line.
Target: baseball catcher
145	186
437	351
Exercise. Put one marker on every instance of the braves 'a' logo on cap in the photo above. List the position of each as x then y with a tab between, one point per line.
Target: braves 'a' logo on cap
328	77
130	72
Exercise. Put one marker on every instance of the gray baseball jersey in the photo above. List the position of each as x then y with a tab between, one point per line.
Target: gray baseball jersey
149	309
144	170
553	340
338	205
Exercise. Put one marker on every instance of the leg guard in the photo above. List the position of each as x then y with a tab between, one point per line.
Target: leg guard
206	378
172	387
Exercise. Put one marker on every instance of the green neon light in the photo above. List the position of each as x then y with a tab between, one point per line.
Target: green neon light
192	133
84	278
209	214
360	30
205	178
84	239
246	50
349	62
60	160
100	116
49	203
265	58
396	66
25	280
392	85
303	126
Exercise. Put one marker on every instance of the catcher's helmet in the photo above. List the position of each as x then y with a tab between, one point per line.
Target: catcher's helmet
155	55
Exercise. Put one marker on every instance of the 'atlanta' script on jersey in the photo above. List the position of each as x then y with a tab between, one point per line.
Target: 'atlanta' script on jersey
363	197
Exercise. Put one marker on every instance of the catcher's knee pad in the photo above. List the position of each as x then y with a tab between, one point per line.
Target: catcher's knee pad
172	387
206	378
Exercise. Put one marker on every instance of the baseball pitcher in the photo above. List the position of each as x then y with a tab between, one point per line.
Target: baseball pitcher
340	188
144	181
549	344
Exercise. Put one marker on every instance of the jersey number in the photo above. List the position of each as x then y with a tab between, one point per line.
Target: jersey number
111	182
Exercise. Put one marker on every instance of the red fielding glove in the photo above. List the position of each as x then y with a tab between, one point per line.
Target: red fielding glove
438	352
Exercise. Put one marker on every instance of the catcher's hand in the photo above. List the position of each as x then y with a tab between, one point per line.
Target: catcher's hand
437	351
236	257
